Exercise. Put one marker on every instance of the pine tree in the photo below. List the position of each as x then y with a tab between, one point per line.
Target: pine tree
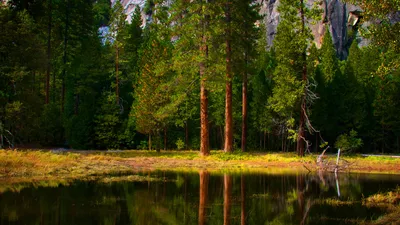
152	92
117	25
248	36
193	53
291	78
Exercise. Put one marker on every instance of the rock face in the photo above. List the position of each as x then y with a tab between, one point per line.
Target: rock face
338	16
129	7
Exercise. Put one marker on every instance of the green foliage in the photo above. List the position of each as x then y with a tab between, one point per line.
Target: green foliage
102	10
150	113
107	123
349	142
143	145
180	144
330	64
50	125
159	75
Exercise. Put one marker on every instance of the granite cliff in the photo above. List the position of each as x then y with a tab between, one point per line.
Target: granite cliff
340	18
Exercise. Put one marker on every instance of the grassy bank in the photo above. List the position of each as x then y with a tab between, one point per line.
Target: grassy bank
47	164
219	160
390	201
34	163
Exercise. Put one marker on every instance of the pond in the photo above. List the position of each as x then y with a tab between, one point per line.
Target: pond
200	198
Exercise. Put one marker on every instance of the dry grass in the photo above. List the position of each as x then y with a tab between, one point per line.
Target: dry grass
35	163
389	201
391	197
69	165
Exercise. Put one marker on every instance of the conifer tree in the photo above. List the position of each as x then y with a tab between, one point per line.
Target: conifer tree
193	53
228	146
291	78
153	93
248	36
117	25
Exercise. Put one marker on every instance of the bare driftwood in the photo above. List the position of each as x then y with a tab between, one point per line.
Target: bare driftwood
327	164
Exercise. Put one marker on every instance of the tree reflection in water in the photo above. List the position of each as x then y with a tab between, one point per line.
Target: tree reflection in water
204	176
198	198
227	198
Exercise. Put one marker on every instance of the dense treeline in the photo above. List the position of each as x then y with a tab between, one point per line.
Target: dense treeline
199	75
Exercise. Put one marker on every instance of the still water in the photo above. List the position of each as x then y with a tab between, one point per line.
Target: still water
200	198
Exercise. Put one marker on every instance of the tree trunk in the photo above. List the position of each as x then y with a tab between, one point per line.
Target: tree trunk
260	140
117	71
221	133
33	82
65	55
228	92
150	142
265	140
76	105
244	111
204	176
227	198
204	142
186	136
49	25
204	126
165	138
300	140
383	140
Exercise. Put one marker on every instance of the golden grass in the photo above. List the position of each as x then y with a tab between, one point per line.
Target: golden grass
69	165
34	163
391	197
389	201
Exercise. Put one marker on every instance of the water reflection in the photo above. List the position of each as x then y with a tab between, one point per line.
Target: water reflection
243	201
227	198
200	198
204	176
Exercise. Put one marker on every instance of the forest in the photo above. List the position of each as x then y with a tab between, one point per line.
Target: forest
195	75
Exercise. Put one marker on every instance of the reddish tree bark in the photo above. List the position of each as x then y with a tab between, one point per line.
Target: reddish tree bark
244	112
301	132
204	126
228	92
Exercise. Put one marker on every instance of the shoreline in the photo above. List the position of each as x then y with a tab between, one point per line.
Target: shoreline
46	165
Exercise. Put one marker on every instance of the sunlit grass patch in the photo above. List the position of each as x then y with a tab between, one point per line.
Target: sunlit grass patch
40	163
335	202
131	178
391	197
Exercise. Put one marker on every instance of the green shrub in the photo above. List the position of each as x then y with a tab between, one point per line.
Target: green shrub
143	145
348	142
180	144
